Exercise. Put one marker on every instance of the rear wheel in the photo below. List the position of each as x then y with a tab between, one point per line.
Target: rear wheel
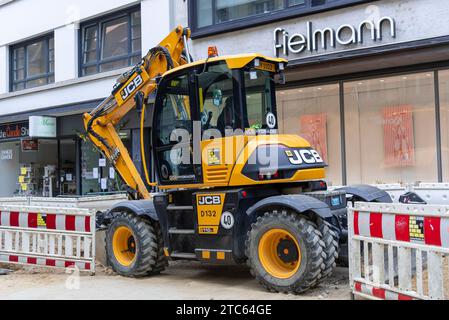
285	252
134	246
330	240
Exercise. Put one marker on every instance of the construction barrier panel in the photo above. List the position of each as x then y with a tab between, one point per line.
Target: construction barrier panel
399	252
99	203
48	237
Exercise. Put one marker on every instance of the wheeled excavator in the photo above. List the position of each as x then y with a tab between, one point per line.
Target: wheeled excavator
231	189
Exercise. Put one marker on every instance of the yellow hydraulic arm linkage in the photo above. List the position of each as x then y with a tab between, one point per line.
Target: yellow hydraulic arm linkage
131	91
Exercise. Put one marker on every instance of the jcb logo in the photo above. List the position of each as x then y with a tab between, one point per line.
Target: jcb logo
131	87
209	200
298	157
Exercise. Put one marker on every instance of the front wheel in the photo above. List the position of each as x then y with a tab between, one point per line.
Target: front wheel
134	246
285	252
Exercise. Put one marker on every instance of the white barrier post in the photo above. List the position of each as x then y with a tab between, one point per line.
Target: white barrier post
48	237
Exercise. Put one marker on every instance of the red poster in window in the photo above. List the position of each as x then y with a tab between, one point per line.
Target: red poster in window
399	141
314	130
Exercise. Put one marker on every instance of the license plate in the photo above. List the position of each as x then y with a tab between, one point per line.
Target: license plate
266	66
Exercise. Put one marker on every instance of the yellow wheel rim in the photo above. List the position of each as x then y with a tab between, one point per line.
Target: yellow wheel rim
124	246
279	253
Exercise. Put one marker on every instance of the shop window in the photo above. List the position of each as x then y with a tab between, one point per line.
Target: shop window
212	16
314	114
391	130
32	63
444	104
111	43
94	177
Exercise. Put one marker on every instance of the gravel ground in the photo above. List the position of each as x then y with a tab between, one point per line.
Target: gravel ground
182	281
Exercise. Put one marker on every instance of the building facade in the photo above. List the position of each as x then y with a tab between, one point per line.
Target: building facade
367	81
60	61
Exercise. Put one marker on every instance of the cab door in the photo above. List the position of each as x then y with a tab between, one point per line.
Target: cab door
173	131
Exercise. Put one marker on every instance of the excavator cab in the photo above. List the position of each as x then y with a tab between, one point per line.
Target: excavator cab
215	100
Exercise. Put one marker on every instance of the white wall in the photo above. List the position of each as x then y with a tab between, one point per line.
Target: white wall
28	18
4	78
59	94
155	22
66	53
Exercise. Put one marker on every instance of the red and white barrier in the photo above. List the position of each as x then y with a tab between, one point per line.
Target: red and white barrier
48	237
398	252
371	292
432	231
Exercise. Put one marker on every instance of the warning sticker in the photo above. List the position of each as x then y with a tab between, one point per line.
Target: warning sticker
41	221
214	157
417	229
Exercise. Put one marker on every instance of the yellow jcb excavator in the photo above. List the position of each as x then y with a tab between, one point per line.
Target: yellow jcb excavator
233	189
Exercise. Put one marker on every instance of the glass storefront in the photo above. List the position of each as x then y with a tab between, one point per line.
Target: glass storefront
390	127
314	114
443	77
99	176
38	167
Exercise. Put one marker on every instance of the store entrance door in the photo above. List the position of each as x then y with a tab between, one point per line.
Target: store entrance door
67	167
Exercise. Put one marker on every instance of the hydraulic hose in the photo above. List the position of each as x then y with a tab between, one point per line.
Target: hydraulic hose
142	141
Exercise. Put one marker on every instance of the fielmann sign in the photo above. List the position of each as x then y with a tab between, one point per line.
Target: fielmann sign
315	40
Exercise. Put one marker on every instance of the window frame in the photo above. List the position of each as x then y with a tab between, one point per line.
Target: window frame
99	23
192	89
25	44
260	19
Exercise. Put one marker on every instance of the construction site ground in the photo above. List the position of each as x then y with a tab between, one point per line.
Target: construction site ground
182	281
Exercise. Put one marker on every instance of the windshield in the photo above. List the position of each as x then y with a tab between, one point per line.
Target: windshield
220	103
260	101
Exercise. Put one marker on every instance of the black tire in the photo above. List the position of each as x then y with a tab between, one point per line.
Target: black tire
149	252
330	240
310	245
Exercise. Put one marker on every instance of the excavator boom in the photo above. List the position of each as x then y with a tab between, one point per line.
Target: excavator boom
132	91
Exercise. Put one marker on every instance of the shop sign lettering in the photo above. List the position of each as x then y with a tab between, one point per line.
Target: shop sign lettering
315	40
42	127
12	131
6	155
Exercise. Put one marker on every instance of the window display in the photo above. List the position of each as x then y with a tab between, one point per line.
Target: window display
391	130
314	114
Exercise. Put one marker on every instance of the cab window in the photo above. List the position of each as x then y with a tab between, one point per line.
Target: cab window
173	125
218	108
176	112
260	101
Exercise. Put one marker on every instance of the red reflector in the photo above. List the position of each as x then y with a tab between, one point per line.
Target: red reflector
276	175
244	194
322	184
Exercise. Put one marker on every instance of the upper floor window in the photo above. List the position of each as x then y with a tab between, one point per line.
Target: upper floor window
110	43
213	16
33	63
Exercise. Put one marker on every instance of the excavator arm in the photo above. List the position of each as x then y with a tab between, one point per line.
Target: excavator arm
132	91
